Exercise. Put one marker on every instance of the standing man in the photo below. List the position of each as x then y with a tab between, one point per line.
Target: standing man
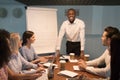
74	29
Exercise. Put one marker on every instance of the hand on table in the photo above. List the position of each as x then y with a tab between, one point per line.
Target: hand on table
34	76
82	64
40	59
82	55
57	53
40	69
43	59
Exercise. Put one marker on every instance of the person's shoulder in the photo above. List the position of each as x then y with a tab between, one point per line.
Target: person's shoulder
79	20
22	47
13	56
106	51
66	21
31	47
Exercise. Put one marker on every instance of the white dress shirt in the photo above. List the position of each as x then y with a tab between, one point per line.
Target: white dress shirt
75	32
104	58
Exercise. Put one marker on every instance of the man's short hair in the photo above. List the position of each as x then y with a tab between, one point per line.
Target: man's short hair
111	31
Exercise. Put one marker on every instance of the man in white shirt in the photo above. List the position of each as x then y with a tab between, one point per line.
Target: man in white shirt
91	66
74	29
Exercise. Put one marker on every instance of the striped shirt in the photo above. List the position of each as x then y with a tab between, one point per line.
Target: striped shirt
18	64
3	73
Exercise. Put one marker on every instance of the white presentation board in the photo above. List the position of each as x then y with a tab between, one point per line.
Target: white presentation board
43	22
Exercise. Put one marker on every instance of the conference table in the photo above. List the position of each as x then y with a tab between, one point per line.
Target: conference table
69	66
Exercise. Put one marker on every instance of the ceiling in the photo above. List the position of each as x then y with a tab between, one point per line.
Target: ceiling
70	2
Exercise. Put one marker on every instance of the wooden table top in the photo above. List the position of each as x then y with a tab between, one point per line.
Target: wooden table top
69	66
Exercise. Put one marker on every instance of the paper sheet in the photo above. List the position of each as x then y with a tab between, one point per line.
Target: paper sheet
43	77
75	60
68	73
48	64
76	68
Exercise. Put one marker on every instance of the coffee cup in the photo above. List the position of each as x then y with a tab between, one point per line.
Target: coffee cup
62	64
86	56
72	56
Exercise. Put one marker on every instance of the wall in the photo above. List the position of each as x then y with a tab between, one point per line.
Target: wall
94	46
10	22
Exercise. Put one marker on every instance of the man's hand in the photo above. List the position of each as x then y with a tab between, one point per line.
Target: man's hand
82	64
40	69
58	52
82	55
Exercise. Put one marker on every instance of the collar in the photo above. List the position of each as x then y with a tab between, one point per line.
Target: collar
73	22
14	55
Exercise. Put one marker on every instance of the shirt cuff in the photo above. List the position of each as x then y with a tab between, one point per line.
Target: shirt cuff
57	48
82	49
89	68
35	66
29	71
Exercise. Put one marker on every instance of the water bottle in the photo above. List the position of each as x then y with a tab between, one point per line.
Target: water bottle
50	72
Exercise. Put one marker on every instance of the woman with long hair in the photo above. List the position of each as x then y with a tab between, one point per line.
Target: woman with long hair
115	57
27	50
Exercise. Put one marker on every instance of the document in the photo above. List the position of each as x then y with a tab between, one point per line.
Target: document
48	64
68	57
43	77
76	68
75	60
68	73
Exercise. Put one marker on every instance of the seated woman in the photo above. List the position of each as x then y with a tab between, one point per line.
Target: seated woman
17	63
5	54
27	51
115	57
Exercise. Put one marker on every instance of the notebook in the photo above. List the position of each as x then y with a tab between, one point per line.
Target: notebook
68	73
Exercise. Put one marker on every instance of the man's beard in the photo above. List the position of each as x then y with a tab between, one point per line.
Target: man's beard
71	21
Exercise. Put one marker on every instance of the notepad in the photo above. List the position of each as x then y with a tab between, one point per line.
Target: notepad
68	73
75	60
43	77
76	68
48	64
